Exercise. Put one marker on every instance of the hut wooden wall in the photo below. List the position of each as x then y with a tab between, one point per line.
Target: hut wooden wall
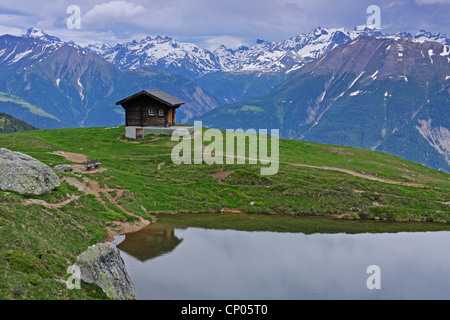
137	112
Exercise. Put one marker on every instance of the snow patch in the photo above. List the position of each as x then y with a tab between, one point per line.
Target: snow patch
421	41
296	67
82	88
339	96
430	54
322	96
374	75
400	50
20	56
445	51
357	78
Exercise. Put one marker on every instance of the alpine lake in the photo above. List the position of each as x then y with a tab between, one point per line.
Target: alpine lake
206	256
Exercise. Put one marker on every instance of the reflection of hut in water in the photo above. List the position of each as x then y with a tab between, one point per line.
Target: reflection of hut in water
150	242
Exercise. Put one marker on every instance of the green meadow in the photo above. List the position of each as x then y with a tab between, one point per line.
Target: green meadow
318	188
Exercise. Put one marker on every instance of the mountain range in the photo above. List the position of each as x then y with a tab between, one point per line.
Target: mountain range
192	61
389	94
333	85
55	84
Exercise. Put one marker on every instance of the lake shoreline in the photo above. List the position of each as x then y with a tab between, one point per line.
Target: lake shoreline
239	220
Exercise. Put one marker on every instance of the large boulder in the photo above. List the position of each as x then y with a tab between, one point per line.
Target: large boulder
101	264
24	174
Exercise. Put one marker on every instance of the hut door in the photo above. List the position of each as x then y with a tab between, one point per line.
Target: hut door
139	134
169	116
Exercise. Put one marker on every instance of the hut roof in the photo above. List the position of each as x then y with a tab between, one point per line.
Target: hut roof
157	94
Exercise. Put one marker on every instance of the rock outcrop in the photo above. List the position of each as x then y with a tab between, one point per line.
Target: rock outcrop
101	264
24	174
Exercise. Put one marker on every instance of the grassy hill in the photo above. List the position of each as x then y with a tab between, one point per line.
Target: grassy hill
9	124
41	236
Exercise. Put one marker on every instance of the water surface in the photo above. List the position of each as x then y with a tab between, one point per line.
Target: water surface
197	263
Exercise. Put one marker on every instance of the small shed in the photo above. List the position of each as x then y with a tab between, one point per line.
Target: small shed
149	109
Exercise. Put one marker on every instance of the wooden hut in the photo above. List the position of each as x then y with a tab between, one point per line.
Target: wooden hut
149	109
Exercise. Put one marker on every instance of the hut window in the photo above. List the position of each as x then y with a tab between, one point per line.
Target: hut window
151	113
161	112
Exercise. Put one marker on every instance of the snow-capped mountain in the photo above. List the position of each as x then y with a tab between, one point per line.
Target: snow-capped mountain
193	61
41	35
182	58
32	47
290	54
427	36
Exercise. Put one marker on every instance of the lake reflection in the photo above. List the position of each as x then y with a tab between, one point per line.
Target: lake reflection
196	263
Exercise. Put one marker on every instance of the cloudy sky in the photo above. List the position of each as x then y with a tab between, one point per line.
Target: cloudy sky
214	22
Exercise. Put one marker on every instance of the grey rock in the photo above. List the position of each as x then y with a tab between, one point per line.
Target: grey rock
24	174
63	168
101	264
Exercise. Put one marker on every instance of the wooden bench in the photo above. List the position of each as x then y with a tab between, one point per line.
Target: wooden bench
94	163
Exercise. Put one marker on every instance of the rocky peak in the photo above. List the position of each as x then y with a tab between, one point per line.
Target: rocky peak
425	35
40	34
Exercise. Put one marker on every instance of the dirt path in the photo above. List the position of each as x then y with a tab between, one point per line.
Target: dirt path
50	205
70	156
351	172
360	175
221	175
93	187
89	186
161	165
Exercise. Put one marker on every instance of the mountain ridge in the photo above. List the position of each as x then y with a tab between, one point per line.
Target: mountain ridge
384	94
266	57
10	124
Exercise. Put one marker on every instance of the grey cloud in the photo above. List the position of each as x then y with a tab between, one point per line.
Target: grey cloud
245	21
